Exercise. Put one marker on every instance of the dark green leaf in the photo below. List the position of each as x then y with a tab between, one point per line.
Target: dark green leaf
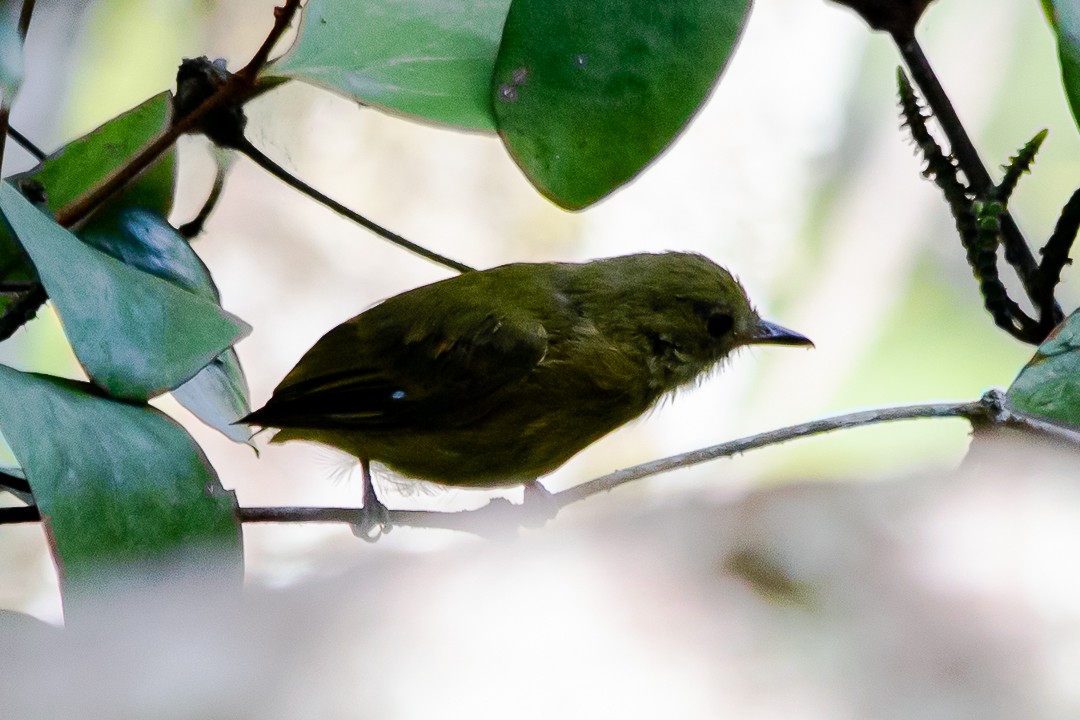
80	165
432	60
1049	385
587	94
218	394
135	334
1064	16
115	483
13	267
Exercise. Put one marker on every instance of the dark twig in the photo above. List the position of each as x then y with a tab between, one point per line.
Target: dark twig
25	14
8	287
19	312
24	18
13	482
1017	252
21	514
1018	165
27	144
234	90
978	221
1055	254
194	227
260	159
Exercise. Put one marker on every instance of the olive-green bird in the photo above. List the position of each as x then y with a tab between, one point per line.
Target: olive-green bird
499	376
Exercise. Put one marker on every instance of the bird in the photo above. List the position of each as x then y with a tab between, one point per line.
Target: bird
497	377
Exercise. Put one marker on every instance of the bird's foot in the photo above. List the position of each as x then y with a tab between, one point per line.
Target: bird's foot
375	517
538	506
374	520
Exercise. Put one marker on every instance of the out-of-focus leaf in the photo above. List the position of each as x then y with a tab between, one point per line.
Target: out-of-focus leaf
586	94
1064	17
115	483
13	267
218	394
219	397
1049	385
432	60
135	334
11	51
72	170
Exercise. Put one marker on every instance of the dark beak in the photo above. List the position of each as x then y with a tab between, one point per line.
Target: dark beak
767	333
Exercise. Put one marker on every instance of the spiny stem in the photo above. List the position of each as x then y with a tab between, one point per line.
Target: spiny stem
1018	165
1017	252
1055	254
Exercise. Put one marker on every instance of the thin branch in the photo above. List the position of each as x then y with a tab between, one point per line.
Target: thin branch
1017	252
27	144
282	19
13	482
500	517
19	312
5	104
1055	254
24	18
233	90
194	227
17	286
260	159
21	514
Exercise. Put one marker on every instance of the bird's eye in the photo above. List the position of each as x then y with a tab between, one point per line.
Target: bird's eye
719	324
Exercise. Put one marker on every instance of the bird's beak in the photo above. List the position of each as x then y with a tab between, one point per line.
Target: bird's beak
767	333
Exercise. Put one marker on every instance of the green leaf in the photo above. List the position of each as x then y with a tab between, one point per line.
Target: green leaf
431	60
1064	17
218	394
586	94
219	397
82	164
115	483
135	334
11	51
1049	385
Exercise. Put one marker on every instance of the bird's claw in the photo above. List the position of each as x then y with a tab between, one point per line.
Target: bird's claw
538	506
374	521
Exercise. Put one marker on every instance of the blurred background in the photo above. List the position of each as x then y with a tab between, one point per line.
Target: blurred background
795	175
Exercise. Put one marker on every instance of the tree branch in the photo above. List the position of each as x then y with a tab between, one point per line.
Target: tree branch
234	90
500	517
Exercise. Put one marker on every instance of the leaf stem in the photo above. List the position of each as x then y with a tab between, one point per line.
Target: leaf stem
27	144
260	159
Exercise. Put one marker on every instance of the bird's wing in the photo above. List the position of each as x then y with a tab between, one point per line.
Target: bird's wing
392	376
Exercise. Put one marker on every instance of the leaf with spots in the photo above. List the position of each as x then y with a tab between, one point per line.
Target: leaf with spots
587	94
